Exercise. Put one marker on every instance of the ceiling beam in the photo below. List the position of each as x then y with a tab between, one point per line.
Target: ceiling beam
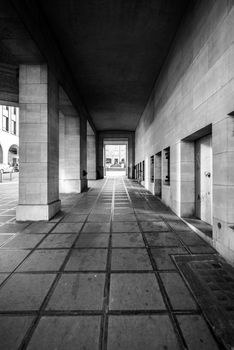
35	22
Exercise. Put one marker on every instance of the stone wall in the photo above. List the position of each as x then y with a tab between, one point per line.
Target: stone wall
194	90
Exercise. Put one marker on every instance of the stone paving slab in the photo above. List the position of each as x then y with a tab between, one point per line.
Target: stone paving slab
135	292
78	292
130	259
24	291
13	329
96	240
101	275
44	260
10	259
141	332
87	260
67	332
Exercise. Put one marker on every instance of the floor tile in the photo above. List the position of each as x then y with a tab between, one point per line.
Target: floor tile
97	210
99	218
162	257
79	211
136	332
78	291
125	227
138	291
13	228
87	260
24	241
190	238
5	218
127	217
130	259
169	216
3	276
57	217
178	293
39	227
58	241
4	238
68	228
97	227
75	218
196	333
10	259
148	217
179	225
162	239
153	226
25	291
69	332
127	240
201	249
96	240
44	260
12	330
124	211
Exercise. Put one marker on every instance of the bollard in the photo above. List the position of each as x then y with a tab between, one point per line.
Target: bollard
1	176
11	175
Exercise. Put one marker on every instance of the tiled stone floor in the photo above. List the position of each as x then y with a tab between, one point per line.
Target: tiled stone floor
99	275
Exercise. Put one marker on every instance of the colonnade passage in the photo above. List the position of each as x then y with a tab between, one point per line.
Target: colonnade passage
104	273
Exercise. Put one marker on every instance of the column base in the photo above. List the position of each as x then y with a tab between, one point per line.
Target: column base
72	186
37	212
84	185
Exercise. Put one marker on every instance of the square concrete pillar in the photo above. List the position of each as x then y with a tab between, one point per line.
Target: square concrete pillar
83	153
91	153
72	148
223	187
187	179
38	144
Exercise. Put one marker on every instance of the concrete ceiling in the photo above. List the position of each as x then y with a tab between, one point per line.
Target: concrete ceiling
115	50
16	45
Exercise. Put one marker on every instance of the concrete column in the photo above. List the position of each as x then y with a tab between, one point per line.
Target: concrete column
39	141
72	147
91	153
131	155
83	153
147	173
223	187
158	174
187	179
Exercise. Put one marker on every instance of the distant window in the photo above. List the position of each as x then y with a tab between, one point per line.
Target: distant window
143	170
5	118
13	123
166	166
152	168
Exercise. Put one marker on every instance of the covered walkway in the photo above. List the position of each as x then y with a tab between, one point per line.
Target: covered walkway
102	275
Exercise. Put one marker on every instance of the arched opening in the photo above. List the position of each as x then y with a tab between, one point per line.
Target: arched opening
13	155
1	154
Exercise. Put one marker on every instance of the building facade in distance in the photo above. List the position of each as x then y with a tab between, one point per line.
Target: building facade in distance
9	135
